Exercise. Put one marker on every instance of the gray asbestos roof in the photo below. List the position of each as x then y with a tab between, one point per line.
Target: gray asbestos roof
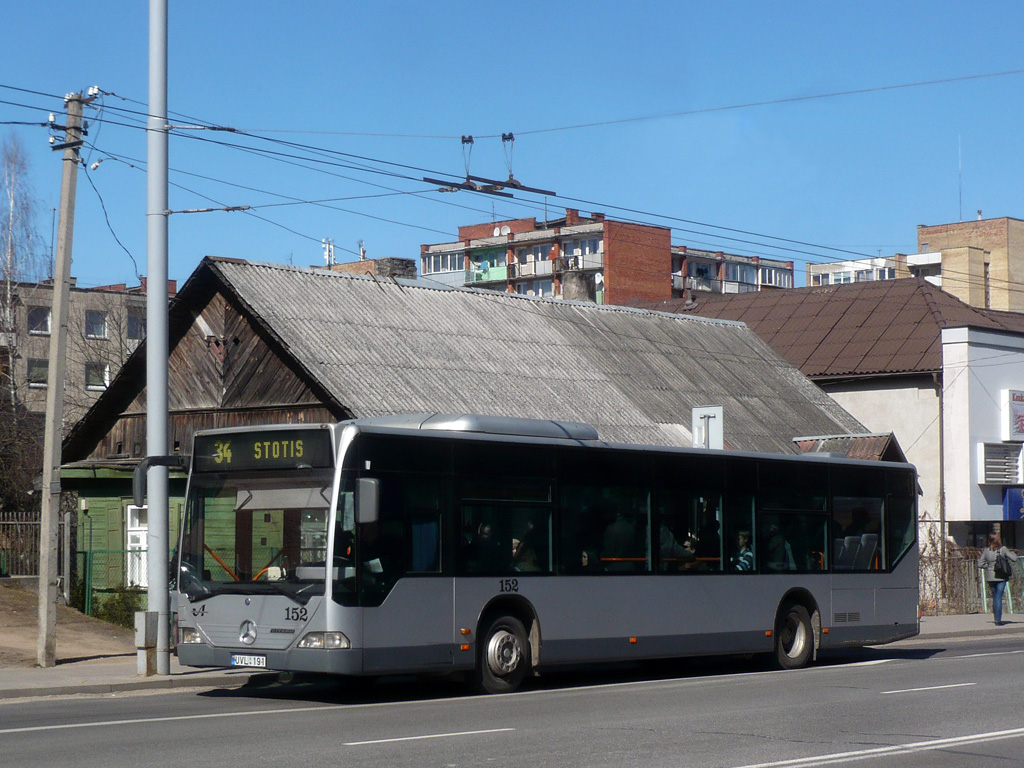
385	347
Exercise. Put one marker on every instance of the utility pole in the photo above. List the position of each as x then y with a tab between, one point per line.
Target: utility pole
157	342
46	650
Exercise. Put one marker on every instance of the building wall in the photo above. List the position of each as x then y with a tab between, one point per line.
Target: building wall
964	276
909	408
1003	241
638	262
977	366
515	226
105	352
384	267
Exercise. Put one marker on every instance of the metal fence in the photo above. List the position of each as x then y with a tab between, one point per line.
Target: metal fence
19	547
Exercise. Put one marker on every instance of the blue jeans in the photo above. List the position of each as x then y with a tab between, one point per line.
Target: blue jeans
998	588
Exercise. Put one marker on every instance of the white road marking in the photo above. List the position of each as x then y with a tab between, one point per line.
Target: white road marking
428	736
168	719
898	749
929	688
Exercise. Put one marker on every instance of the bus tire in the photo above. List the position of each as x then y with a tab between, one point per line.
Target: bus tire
794	637
504	656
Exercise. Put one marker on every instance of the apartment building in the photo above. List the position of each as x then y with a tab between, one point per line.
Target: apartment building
105	325
591	258
859	270
980	262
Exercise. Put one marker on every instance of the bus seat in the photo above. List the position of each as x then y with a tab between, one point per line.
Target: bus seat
851	546
866	553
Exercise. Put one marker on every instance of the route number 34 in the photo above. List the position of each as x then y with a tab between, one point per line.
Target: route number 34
508	585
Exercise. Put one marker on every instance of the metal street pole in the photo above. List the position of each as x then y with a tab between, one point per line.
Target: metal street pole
46	647
156	332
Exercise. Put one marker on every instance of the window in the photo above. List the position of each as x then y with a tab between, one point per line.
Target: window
792	542
841	277
887	273
97	376
442	262
533	253
816	279
863	276
856	533
136	323
39	320
780	278
741	273
699	269
95	324
37	372
606	518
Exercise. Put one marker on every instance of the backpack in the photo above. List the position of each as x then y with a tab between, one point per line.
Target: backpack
1002	569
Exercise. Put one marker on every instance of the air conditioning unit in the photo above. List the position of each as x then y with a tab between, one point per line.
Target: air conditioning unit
1000	464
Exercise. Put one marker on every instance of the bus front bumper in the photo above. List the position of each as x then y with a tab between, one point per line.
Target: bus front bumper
333	662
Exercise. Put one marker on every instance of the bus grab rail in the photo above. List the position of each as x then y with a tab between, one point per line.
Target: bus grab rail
139	475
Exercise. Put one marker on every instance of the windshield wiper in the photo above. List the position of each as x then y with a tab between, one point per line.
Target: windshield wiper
197	595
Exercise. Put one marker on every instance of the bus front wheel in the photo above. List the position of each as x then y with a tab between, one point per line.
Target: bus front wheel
504	656
794	637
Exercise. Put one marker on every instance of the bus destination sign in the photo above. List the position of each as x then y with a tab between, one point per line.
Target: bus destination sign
277	449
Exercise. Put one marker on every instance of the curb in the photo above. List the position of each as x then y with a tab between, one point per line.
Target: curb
158	683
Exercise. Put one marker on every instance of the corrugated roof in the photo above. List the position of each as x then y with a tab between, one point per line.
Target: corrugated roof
392	347
858	329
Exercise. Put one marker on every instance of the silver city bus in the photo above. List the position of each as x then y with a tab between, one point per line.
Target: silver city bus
498	546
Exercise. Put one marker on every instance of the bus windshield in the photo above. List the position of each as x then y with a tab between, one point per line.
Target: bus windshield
255	533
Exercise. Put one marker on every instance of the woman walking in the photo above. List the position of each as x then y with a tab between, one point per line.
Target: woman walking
987	562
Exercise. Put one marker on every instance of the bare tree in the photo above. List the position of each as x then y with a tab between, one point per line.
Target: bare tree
21	258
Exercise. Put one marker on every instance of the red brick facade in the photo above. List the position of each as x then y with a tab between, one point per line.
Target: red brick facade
638	262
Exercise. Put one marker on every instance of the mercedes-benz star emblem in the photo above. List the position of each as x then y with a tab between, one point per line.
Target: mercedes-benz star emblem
247	632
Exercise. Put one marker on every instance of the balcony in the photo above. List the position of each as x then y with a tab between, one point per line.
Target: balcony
478	275
532	269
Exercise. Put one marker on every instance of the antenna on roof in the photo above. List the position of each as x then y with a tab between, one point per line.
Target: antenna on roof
362	250
329	251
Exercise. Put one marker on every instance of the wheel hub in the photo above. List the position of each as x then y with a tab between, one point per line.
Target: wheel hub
503	652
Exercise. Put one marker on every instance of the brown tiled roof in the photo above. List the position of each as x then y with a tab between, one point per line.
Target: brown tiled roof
858	329
878	447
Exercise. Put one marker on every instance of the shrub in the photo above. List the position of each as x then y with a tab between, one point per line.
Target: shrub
120	606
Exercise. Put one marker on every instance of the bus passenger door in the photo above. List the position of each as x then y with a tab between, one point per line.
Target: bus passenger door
407	622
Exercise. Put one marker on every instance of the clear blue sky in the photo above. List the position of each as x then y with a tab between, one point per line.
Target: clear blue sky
855	172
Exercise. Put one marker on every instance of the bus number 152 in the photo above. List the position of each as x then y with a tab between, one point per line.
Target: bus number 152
508	585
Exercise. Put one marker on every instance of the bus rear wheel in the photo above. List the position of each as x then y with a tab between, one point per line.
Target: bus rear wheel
504	656
794	637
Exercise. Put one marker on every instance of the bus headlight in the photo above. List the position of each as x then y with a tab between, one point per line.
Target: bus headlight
188	635
327	640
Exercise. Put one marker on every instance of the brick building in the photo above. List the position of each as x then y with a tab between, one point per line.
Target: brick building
980	262
591	258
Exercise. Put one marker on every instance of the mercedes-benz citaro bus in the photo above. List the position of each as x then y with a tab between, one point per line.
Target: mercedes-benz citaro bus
498	546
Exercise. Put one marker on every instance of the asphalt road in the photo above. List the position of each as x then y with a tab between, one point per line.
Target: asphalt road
938	703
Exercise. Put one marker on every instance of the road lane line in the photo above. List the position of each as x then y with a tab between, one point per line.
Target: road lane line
167	719
427	736
929	688
898	749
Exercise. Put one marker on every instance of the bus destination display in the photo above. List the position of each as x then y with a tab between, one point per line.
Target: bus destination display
284	449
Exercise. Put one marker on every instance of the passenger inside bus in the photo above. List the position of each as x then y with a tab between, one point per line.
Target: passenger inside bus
743	558
675	556
623	548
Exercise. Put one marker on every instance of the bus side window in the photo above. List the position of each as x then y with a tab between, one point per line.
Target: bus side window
740	547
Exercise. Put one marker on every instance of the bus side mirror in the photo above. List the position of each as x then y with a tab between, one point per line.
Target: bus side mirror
176	461
367	500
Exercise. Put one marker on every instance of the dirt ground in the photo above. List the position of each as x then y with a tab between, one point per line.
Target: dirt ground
78	636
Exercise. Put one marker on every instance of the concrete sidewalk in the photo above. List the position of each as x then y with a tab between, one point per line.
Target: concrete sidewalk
119	673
